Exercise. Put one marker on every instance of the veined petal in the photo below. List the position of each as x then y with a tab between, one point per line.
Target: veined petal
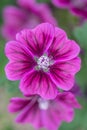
69	99
38	40
69	51
63	78
68	67
63	49
21	61
59	39
17	104
30	114
28	110
38	82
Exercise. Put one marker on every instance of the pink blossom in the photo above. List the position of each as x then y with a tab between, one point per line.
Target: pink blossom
43	59
28	14
40	113
77	7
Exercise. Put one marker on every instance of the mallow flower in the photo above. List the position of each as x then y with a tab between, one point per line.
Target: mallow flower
76	7
43	59
27	14
76	90
43	113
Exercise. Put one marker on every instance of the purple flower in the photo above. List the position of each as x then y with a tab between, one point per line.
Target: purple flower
44	59
77	7
28	14
62	3
48	114
76	90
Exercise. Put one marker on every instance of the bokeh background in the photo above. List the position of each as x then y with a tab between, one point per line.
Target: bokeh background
75	30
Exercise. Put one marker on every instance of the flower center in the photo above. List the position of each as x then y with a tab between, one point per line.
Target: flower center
43	104
43	62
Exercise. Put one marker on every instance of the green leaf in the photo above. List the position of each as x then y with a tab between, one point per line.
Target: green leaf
81	35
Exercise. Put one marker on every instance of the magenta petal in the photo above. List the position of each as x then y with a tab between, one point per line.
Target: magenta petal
37	9
37	40
14	19
51	119
71	66
9	31
20	58
69	99
29	111
58	42
30	115
12	15
66	102
68	113
61	48
17	104
76	90
65	112
38	82
68	67
63	77
62	3
44	34
81	12
69	51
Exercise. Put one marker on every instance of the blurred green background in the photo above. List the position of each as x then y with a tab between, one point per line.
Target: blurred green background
9	89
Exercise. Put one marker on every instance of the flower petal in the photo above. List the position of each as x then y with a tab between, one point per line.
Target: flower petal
69	67
9	31
17	104
81	12
69	51
58	41
37	40
63	73
62	3
37	9
21	61
51	119
65	112
76	90
30	115
63	49
65	104
29	111
38	82
62	79
13	15
69	99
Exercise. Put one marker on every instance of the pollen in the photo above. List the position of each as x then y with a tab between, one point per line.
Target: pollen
43	62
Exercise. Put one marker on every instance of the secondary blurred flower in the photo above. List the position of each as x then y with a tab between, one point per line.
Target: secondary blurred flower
76	90
44	59
28	14
48	114
77	7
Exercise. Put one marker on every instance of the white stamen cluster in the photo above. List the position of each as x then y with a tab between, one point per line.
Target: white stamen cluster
43	63
43	104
